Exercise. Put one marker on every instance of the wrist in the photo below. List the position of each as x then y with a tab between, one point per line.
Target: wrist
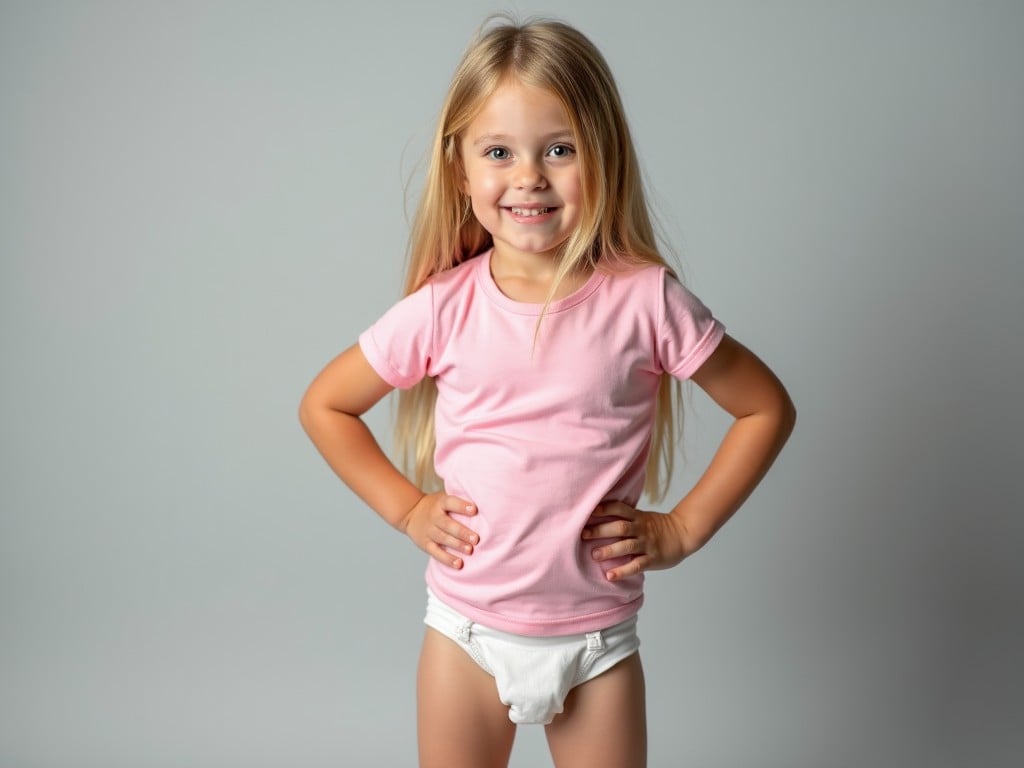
402	523
690	539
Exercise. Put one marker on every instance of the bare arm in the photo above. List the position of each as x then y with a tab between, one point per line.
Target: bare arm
764	418
330	414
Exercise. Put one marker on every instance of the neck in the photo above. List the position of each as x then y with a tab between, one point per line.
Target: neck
528	277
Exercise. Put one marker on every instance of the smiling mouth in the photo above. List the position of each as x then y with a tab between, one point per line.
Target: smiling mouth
529	211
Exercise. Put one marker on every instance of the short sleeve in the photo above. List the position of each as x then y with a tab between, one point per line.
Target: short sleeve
399	346
688	333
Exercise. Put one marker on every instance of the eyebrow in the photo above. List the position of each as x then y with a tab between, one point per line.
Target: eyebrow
490	138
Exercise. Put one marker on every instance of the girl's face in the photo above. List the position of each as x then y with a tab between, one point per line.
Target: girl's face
521	171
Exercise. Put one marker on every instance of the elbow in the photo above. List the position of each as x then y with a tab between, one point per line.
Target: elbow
787	416
306	413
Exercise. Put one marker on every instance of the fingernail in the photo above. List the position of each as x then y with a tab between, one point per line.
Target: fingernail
469	507
611	576
467	549
456	563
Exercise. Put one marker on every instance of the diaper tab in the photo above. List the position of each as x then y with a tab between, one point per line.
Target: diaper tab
463	631
595	642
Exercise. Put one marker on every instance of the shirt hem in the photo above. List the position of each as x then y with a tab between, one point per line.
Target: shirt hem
548	627
380	363
701	352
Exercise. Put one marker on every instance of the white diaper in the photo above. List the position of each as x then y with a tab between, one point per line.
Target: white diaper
534	674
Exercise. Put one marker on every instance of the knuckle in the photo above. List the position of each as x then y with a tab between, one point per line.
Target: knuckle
622	527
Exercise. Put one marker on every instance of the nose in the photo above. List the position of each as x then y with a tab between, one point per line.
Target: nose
529	176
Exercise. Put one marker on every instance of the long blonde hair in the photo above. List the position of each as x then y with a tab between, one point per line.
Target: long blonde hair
614	232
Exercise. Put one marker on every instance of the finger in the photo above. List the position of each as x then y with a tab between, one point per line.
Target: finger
608	530
632	568
614	509
455	504
440	554
462	542
453	528
621	548
607	509
611	509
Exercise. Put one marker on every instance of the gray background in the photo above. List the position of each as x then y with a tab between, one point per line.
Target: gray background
202	203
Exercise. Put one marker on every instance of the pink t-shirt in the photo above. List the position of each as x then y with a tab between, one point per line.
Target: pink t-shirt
538	435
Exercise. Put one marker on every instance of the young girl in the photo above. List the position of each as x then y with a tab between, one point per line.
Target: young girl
536	348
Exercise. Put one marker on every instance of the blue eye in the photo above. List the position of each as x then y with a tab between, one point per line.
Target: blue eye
498	153
561	150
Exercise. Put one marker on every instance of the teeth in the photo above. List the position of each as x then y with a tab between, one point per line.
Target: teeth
529	211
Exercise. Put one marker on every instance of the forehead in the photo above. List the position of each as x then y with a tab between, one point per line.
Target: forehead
520	111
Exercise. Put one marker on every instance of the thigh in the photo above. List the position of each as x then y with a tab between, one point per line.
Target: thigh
461	722
604	723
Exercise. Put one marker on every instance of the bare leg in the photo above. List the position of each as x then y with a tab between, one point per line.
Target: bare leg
604	724
460	720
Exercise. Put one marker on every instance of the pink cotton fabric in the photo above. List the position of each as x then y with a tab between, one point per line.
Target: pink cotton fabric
537	435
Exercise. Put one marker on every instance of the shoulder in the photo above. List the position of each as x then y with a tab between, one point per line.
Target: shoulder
438	291
638	289
455	293
654	292
647	279
456	279
658	282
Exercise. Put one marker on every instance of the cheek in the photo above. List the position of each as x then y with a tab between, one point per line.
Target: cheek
484	193
577	189
571	189
489	188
